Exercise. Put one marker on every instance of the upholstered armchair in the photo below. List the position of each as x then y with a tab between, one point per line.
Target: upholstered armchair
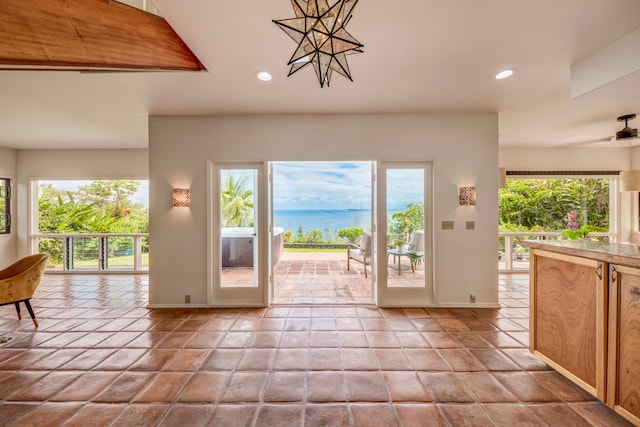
416	248
19	281
362	253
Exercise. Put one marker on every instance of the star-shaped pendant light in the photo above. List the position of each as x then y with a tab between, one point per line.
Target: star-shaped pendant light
322	40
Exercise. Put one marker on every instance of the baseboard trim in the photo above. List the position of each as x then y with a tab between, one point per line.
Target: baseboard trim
447	305
469	305
176	306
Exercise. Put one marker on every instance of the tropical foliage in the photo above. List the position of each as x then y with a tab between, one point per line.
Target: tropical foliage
4	205
237	202
311	236
352	235
553	204
103	206
580	233
404	222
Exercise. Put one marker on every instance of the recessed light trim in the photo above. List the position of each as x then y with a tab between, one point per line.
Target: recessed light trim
504	74
263	75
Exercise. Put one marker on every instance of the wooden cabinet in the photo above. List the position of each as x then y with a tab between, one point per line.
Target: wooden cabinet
585	317
568	309
624	342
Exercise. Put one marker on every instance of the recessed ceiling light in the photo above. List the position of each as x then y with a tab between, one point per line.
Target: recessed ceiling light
263	75
505	73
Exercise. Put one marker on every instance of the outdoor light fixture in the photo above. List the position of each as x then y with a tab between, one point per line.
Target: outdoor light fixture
467	196
181	197
322	39
630	180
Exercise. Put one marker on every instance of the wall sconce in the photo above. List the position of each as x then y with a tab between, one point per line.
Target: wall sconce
181	197
630	180
467	196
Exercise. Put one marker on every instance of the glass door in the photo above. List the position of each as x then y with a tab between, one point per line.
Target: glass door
404	245
239	235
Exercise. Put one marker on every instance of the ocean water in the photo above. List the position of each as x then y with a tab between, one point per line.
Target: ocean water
333	220
321	220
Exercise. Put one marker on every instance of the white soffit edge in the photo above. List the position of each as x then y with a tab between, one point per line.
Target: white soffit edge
614	62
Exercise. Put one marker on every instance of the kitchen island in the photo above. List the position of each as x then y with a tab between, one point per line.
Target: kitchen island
585	317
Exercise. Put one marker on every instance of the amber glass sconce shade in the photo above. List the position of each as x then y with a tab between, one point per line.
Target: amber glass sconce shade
467	196
181	197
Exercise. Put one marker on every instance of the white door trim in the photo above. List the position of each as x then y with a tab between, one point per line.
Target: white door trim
218	296
399	296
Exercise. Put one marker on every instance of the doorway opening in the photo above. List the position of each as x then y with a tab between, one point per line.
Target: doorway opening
321	233
323	211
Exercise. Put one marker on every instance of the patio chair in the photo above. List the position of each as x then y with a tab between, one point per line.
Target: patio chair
19	281
362	253
416	248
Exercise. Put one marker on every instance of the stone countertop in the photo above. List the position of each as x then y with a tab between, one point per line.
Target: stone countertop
613	253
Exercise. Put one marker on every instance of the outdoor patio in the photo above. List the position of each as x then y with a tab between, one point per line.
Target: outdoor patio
323	278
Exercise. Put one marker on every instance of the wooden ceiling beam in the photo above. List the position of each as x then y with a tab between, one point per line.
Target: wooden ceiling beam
86	35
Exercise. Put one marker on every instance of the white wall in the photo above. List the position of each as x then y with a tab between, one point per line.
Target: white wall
635	158
71	164
634	209
563	159
463	147
8	241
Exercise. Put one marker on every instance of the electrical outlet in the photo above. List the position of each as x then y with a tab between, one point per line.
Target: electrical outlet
471	225
472	298
187	299
447	225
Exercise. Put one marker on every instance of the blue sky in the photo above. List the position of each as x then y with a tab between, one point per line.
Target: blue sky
338	185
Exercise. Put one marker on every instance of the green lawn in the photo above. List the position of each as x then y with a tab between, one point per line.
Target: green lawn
114	261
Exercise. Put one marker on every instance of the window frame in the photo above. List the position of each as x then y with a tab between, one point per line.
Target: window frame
5	226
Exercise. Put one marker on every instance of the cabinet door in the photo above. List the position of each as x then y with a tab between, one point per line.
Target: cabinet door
568	310
624	342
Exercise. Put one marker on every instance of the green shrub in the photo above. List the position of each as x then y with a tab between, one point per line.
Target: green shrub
352	235
313	236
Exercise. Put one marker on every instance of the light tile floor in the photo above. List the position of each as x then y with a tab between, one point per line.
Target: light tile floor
101	358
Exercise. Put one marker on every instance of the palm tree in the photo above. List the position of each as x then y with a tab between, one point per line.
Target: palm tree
237	203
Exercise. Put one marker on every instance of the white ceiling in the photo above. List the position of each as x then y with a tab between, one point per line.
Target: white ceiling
419	56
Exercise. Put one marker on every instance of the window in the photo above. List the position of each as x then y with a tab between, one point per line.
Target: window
5	206
114	212
552	208
558	204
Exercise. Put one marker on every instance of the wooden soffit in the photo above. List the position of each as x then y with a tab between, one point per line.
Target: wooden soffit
88	35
